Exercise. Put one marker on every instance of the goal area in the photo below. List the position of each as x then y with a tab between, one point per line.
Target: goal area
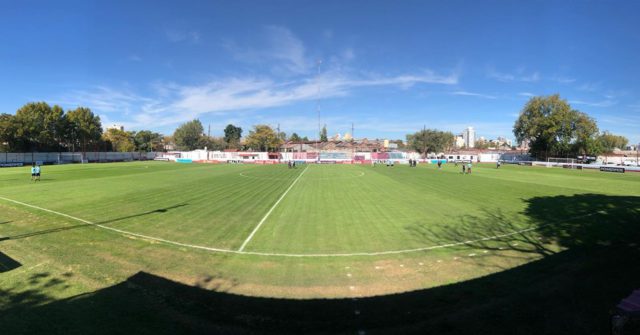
69	158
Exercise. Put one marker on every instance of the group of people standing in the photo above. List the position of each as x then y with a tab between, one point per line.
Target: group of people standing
413	163
35	172
291	164
466	168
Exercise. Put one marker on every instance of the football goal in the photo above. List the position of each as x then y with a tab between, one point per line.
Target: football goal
569	163
70	157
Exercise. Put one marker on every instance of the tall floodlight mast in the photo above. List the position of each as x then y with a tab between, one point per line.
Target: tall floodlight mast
318	63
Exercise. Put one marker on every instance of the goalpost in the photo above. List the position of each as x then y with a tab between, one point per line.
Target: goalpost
70	157
569	163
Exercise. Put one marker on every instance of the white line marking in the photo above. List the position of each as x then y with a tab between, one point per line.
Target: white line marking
242	174
268	254
271	210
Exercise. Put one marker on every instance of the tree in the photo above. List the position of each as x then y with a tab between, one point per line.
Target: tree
7	132
146	140
294	138
553	128
609	141
481	144
84	128
232	135
189	135
305	139
263	138
323	134
213	143
57	125
120	140
31	125
586	135
430	140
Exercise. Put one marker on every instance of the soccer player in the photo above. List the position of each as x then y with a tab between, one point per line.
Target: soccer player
464	168
37	172
497	164
33	171
469	168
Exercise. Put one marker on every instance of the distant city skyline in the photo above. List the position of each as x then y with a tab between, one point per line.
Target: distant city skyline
388	68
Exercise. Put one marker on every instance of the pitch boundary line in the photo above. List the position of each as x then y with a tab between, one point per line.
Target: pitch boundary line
259	178
264	218
269	254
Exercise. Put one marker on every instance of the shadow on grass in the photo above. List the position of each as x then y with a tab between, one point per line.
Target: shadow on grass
65	228
569	290
7	263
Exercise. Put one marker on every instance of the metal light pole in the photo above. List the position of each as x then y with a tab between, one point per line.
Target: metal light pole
318	63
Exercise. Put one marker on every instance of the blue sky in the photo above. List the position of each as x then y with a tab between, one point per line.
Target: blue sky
389	67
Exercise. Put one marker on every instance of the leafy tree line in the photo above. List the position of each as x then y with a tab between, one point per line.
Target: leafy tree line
37	126
190	136
554	129
430	140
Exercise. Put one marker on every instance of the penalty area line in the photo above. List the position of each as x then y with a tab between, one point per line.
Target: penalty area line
244	244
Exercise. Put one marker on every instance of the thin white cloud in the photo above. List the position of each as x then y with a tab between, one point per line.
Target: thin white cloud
104	99
526	94
175	35
563	80
603	103
472	94
589	87
513	77
172	103
277	46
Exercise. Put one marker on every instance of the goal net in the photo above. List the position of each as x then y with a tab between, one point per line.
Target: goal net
69	157
563	162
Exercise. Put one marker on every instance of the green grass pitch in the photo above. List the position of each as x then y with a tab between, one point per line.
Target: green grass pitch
317	231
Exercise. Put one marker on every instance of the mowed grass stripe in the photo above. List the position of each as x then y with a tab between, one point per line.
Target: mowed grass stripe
237	201
333	209
370	213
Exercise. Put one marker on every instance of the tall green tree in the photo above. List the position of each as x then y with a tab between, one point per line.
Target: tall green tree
7	133
84	128
294	138
609	141
31	126
119	140
146	140
553	128
57	126
232	135
263	138
430	140
188	136
323	134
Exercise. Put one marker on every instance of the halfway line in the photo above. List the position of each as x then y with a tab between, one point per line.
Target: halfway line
271	210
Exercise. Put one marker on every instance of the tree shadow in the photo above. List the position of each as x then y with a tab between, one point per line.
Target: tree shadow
105	222
568	290
7	263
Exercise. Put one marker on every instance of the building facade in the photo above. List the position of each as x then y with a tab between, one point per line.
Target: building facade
469	136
